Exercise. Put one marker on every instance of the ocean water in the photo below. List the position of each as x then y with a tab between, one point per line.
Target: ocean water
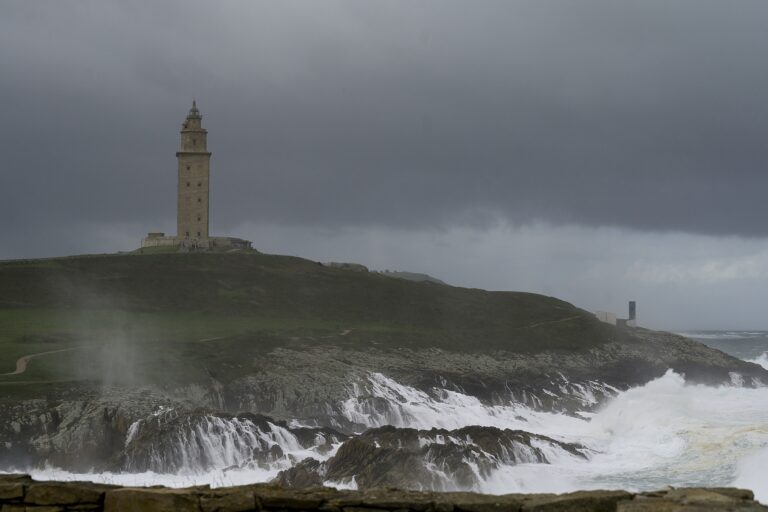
662	433
747	345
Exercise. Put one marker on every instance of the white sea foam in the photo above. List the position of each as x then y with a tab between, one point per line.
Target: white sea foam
210	450
348	484
201	443
762	360
384	401
214	478
662	433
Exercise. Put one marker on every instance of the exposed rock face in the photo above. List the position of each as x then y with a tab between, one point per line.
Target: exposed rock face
309	382
434	459
80	433
19	492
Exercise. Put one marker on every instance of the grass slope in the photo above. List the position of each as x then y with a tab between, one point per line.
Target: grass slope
174	315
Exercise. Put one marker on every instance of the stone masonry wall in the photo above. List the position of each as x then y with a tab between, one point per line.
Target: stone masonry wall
193	178
19	493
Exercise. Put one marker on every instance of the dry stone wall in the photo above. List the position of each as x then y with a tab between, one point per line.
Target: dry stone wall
19	493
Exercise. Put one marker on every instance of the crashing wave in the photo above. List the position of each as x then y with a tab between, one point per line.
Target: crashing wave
380	400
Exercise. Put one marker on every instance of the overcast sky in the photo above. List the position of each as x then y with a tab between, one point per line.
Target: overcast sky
599	151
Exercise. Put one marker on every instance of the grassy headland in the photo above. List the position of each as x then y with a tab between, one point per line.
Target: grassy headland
175	315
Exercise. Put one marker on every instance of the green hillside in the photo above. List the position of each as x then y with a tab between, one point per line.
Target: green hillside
181	314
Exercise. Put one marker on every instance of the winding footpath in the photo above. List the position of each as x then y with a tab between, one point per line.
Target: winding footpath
549	322
21	363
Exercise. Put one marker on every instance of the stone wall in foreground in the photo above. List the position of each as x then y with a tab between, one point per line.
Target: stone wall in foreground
19	493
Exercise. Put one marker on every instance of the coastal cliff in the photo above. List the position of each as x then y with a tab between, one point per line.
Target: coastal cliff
180	363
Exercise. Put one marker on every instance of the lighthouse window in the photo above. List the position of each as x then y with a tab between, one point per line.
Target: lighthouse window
198	218
198	233
199	183
188	167
199	200
187	183
194	142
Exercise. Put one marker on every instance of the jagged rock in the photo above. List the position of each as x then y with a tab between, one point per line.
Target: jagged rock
79	434
405	458
307	473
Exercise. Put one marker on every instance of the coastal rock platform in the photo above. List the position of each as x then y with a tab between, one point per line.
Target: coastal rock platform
22	493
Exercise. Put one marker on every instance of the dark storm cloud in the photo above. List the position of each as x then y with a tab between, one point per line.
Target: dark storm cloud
648	115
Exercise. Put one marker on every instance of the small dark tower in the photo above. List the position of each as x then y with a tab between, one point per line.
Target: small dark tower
632	320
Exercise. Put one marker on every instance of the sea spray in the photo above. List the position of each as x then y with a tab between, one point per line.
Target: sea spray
762	360
663	433
384	401
752	473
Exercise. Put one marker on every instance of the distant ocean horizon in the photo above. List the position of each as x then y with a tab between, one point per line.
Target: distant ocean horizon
748	345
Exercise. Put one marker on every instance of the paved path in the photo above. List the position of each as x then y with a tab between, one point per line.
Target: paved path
21	363
551	322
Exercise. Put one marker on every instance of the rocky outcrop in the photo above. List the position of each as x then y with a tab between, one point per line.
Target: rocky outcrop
435	459
20	493
174	440
309	382
79	430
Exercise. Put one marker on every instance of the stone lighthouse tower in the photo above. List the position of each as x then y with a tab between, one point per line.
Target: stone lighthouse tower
192	195
194	162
